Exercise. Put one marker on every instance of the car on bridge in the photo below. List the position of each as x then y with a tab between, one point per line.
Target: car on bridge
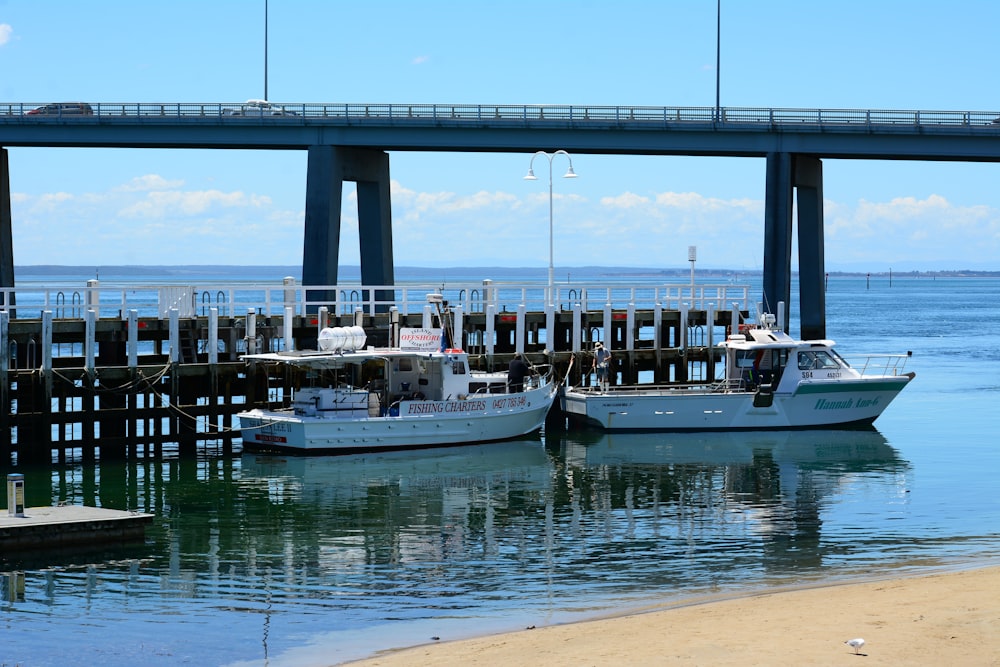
259	108
63	109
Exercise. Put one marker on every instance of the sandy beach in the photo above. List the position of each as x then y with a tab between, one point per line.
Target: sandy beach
950	618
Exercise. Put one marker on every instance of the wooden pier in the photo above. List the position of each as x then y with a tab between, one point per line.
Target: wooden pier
113	385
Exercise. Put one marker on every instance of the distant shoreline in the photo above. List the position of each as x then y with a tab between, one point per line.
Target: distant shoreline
350	271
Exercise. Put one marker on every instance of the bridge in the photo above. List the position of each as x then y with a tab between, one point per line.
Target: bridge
351	142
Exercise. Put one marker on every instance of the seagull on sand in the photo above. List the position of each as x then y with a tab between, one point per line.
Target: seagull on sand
855	644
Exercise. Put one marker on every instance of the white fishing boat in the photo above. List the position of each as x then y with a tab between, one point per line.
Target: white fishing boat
770	381
416	394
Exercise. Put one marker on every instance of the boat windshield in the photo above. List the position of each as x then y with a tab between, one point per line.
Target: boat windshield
817	359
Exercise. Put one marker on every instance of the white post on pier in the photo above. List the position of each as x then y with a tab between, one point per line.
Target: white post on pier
251	331
428	319
692	257
213	336
287	335
577	327
683	327
324	317
47	351
630	326
710	342
175	335
657	332
93	295
133	338
519	328
457	327
735	327
550	326
607	325
47	342
488	292
89	343
289	283
491	326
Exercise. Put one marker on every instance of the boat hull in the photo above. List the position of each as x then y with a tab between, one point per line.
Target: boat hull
811	405
418	424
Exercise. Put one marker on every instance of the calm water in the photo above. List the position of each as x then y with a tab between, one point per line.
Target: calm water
314	561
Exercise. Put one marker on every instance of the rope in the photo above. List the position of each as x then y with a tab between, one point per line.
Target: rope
149	384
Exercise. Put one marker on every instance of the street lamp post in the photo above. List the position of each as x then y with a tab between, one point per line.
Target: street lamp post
531	177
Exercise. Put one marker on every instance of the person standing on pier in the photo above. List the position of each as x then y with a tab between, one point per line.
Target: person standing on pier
602	361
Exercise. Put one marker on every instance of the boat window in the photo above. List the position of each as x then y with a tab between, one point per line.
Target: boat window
840	359
745	358
816	360
405	365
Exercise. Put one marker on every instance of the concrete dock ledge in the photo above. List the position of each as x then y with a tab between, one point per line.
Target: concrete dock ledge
70	525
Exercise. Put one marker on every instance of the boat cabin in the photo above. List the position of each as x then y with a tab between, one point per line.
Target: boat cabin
764	357
374	382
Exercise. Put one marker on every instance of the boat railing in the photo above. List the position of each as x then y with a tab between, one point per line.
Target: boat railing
879	365
542	375
659	388
728	385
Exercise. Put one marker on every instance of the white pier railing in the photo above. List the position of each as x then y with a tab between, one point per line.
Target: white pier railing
267	299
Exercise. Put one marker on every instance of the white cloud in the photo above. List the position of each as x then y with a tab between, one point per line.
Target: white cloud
626	200
149	182
172	203
156	220
5	32
932	231
420	60
149	219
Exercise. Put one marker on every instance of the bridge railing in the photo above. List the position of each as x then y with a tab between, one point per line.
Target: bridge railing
338	113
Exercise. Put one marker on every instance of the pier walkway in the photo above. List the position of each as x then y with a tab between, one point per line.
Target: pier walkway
122	371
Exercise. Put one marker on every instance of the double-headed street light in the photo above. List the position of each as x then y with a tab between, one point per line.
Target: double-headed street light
531	177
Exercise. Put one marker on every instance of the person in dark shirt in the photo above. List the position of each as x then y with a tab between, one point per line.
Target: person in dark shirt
516	372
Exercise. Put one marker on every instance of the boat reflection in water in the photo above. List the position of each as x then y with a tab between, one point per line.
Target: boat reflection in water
761	496
592	447
522	462
474	539
757	497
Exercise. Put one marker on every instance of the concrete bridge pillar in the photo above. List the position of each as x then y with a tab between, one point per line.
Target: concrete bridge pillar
812	294
328	168
802	175
6	235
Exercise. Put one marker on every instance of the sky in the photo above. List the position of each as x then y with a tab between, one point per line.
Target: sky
166	207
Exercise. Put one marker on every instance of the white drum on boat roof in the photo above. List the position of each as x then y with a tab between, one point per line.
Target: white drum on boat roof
356	338
336	339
